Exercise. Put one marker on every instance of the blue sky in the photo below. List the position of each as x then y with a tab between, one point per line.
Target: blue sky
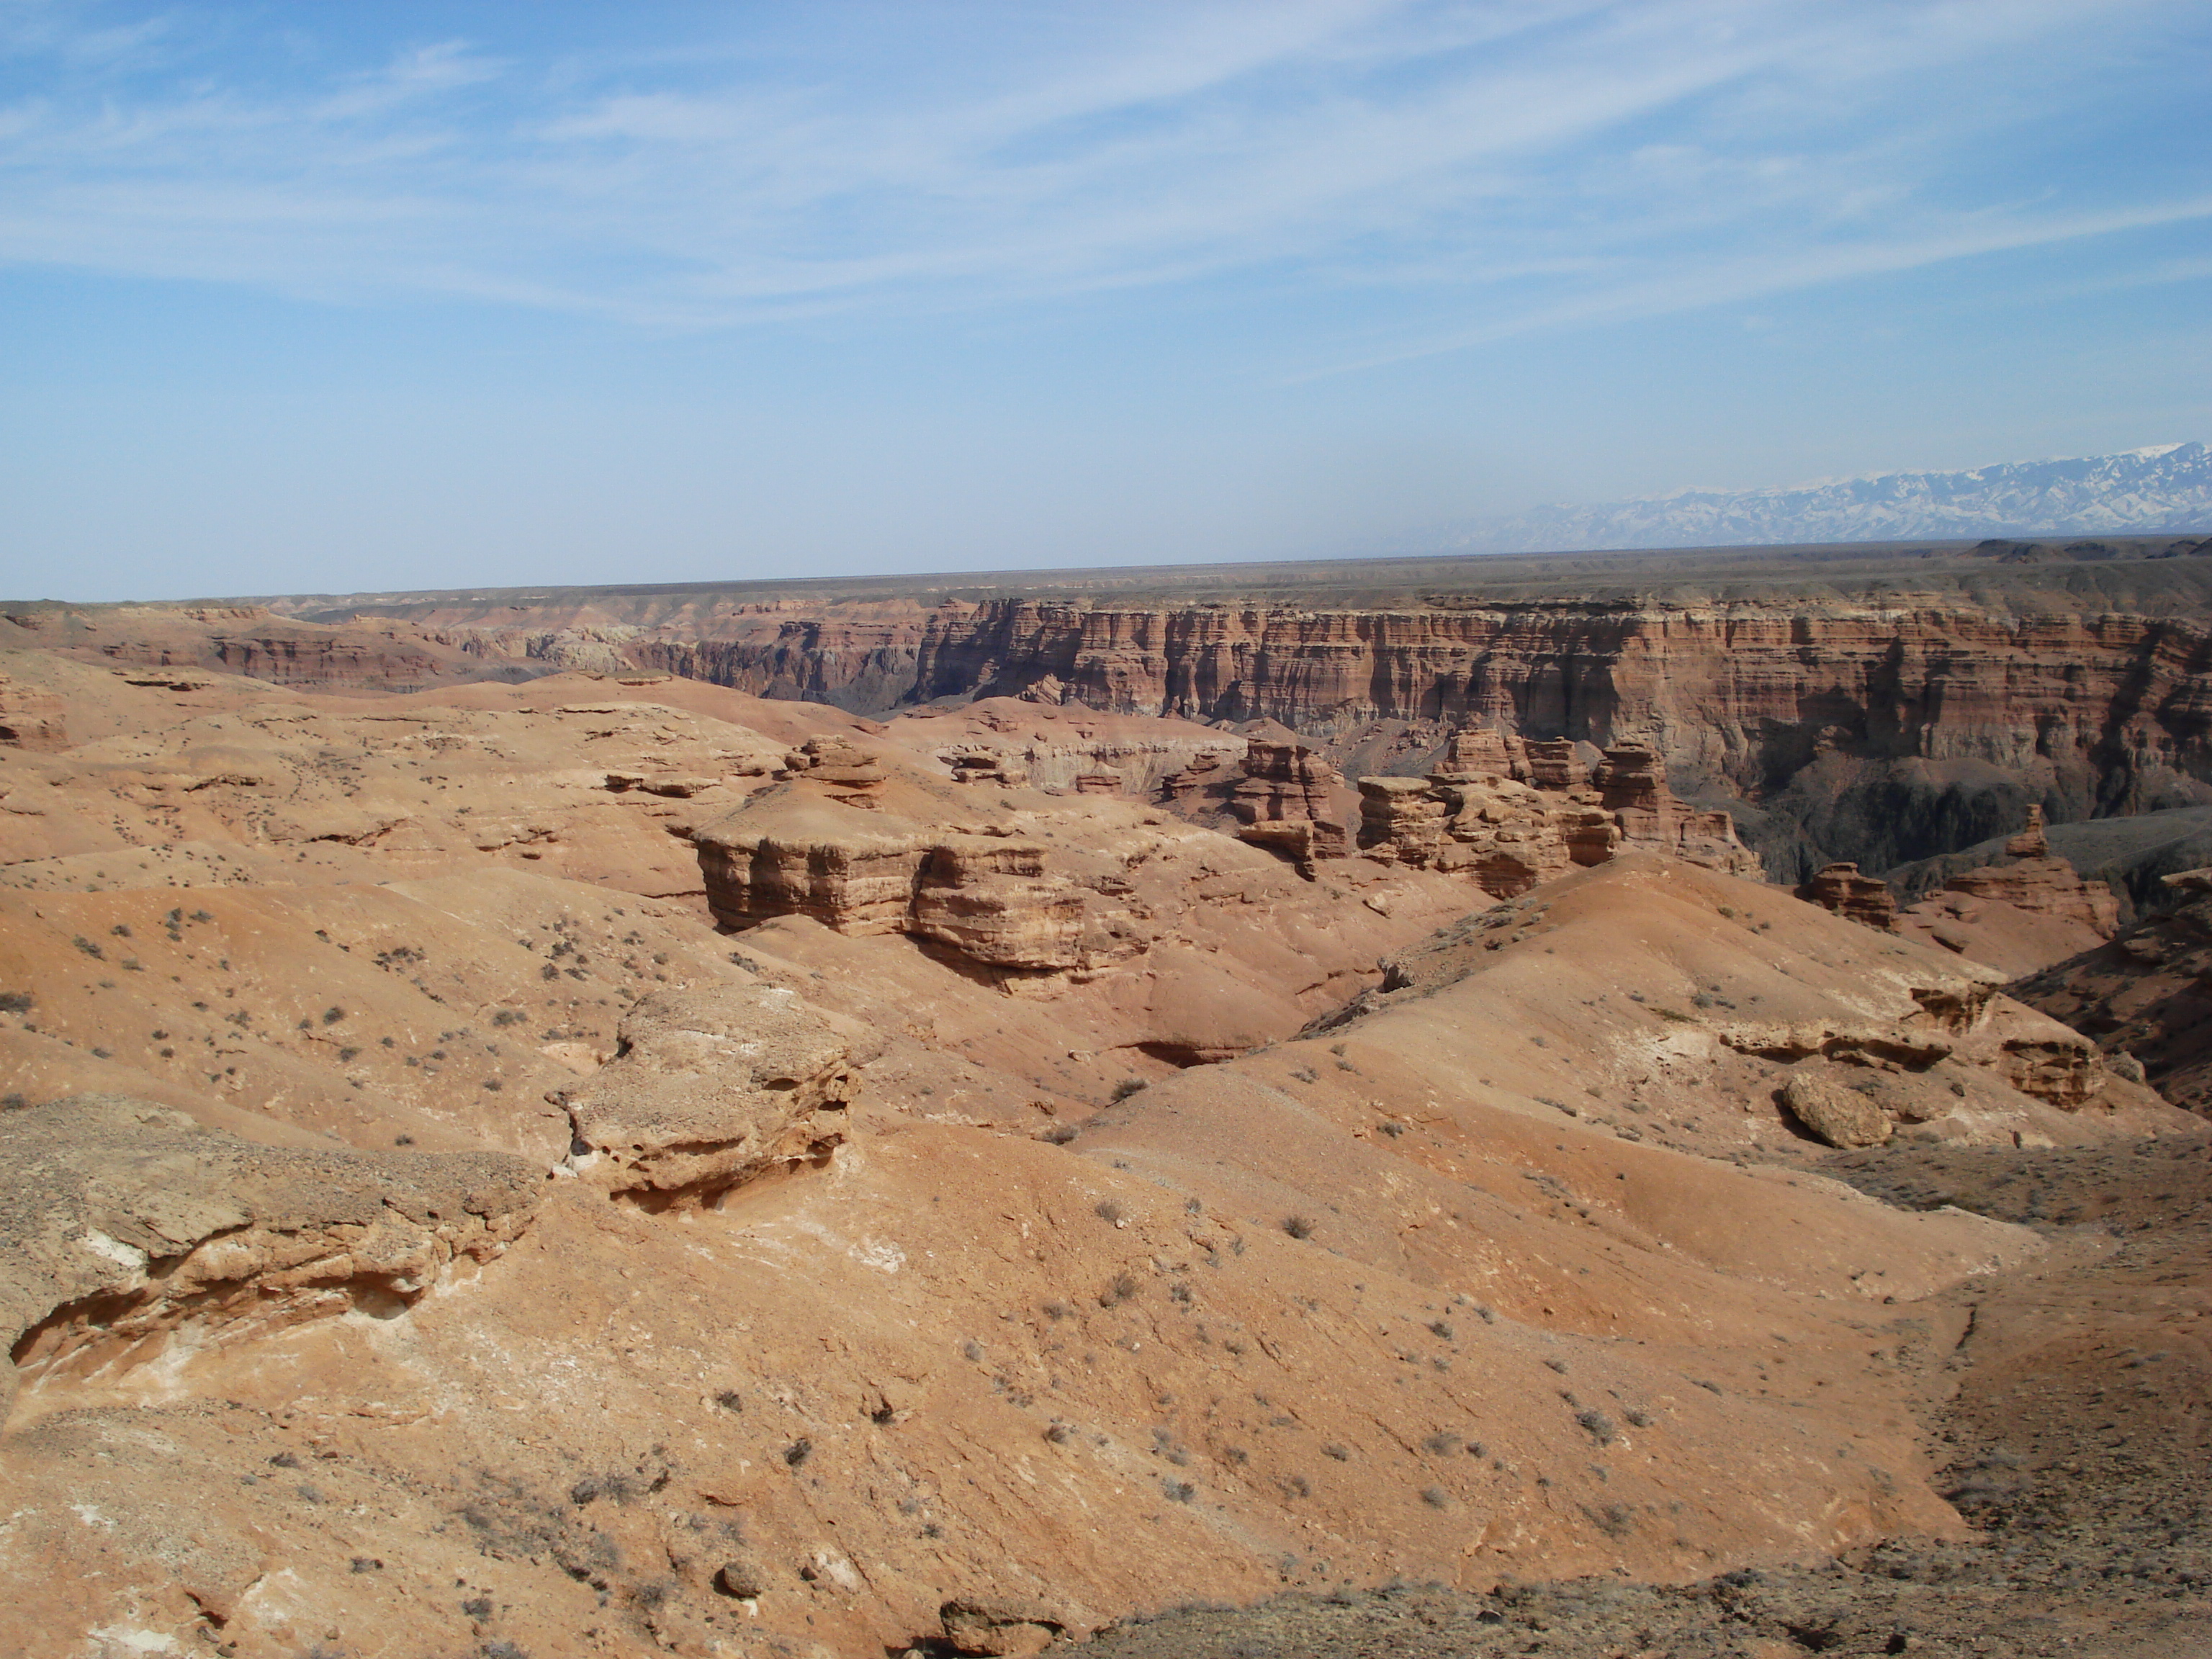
329	297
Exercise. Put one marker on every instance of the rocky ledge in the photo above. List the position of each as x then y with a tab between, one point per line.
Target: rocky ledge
710	1091
124	1224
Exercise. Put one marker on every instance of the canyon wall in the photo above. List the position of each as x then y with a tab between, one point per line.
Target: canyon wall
1876	734
1878	724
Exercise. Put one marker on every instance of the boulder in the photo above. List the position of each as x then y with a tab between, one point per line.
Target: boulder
1842	1117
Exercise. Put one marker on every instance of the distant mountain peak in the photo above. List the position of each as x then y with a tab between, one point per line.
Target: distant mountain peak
2154	490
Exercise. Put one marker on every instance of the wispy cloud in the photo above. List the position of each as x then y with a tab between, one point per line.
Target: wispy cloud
1522	164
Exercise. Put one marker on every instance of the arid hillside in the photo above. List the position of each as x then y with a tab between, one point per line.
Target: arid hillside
610	1161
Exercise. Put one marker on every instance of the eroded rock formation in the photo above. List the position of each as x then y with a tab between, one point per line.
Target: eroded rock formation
123	1224
710	1091
1840	887
1512	814
31	718
2146	996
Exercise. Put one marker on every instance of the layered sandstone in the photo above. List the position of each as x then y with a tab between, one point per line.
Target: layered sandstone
1841	888
1878	721
31	718
128	1225
710	1091
2021	913
1512	814
2146	996
828	1235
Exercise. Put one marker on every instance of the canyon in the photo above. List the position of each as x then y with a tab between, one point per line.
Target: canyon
1879	705
831	1123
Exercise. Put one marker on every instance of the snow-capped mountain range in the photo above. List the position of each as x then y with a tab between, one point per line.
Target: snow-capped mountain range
2163	487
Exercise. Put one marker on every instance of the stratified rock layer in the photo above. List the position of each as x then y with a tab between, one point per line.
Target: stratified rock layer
710	1090
123	1224
1512	814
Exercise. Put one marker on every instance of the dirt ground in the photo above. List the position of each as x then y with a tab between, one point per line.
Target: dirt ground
2066	1403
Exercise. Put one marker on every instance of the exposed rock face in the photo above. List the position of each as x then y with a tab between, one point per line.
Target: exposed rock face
709	1091
989	898
2021	912
1287	783
1880	728
1477	814
31	718
812	859
847	772
1841	888
123	1221
1840	1116
2033	881
2145	997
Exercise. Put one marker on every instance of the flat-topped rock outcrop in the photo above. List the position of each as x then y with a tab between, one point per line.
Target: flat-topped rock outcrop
710	1090
1512	814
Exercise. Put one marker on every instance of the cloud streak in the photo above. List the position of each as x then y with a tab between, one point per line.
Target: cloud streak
1512	165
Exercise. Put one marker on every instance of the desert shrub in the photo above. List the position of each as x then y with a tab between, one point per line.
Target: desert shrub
1600	1427
797	1451
1614	1520
1336	1452
17	1002
1128	1087
332	1016
1297	1226
90	948
1558	1366
1123	1289
1108	1211
1436	1497
1178	1492
1393	1130
348	1053
1441	1444
508	1016
1439	1328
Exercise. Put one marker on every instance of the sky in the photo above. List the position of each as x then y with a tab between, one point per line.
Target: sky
321	296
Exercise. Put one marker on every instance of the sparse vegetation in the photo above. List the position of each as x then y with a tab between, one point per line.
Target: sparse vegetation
1599	1427
1298	1226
